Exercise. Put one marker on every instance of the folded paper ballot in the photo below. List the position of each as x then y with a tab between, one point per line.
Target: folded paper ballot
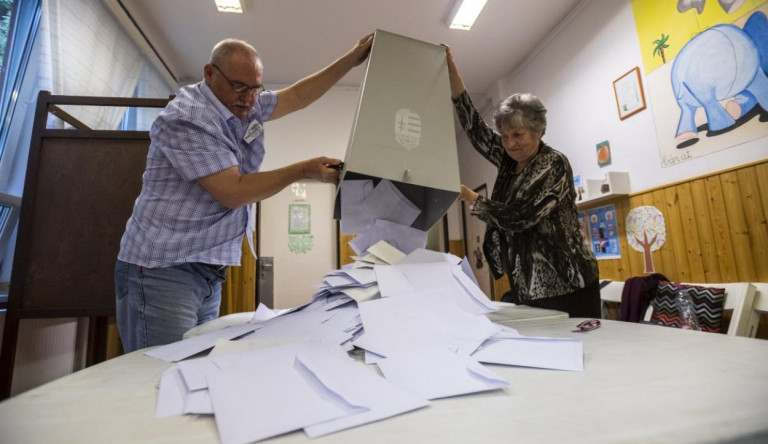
439	373
551	353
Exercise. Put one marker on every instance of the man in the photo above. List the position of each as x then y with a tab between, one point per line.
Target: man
202	173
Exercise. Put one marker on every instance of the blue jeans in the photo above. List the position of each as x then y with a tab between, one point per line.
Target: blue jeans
156	306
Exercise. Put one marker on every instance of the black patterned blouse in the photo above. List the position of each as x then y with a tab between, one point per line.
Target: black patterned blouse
532	224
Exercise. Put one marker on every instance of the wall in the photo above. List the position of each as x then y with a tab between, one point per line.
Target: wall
573	74
715	229
322	129
296	275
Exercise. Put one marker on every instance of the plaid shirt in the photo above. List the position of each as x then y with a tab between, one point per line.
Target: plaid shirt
175	220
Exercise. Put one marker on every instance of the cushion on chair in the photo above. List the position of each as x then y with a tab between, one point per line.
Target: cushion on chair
707	301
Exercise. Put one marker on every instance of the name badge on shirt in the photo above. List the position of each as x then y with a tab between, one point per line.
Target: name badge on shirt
253	130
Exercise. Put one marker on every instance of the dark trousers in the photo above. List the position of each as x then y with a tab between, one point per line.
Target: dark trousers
582	303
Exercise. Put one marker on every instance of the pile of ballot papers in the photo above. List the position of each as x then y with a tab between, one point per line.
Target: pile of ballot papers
379	213
381	337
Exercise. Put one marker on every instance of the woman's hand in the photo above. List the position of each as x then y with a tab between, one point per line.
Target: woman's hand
467	195
457	83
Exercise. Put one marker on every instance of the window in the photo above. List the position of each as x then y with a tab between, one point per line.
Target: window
9	216
18	27
5	24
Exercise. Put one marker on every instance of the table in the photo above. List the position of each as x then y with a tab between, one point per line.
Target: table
507	313
510	314
641	383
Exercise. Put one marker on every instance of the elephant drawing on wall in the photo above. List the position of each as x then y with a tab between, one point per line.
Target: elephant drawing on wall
722	63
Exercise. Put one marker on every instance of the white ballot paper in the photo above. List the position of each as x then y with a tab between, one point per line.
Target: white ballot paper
402	237
416	321
386	252
170	398
354	216
195	371
388	203
176	351
279	397
439	373
360	386
551	353
440	277
422	256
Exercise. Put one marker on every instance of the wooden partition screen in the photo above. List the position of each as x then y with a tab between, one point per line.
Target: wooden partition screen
79	192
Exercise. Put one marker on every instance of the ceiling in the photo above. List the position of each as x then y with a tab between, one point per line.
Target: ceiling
298	37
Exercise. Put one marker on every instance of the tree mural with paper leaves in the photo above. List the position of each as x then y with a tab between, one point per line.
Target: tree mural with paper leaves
646	232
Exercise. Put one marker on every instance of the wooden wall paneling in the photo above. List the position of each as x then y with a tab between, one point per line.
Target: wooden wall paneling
690	232
666	254
754	215
623	265
500	286
720	229
345	251
114	346
238	293
703	222
456	247
761	171
676	234
734	210
608	269
636	260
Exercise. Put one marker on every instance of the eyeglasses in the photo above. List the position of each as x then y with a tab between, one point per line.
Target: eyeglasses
240	87
587	326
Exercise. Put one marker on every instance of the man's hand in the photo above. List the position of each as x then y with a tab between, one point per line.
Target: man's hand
320	168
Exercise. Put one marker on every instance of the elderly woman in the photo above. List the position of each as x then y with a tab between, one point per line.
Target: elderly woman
532	229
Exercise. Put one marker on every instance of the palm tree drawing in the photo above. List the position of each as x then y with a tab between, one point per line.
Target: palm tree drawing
660	45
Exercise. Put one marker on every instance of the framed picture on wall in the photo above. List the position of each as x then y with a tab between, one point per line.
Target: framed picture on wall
628	89
299	221
474	232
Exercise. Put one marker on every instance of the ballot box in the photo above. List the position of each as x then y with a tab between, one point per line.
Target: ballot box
403	129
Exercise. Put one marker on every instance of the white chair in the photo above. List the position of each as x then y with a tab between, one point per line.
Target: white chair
739	297
759	306
612	291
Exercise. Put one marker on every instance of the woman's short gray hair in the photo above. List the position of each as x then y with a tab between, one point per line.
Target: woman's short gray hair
521	110
226	48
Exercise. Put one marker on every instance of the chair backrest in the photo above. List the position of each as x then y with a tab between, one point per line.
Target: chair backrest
612	291
759	306
739	297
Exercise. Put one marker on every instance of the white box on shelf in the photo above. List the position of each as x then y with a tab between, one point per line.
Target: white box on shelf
614	184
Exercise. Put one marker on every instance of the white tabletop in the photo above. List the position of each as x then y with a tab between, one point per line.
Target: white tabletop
509	314
640	383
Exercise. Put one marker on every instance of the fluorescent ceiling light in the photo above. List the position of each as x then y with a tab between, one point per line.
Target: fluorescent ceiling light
466	14
230	6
